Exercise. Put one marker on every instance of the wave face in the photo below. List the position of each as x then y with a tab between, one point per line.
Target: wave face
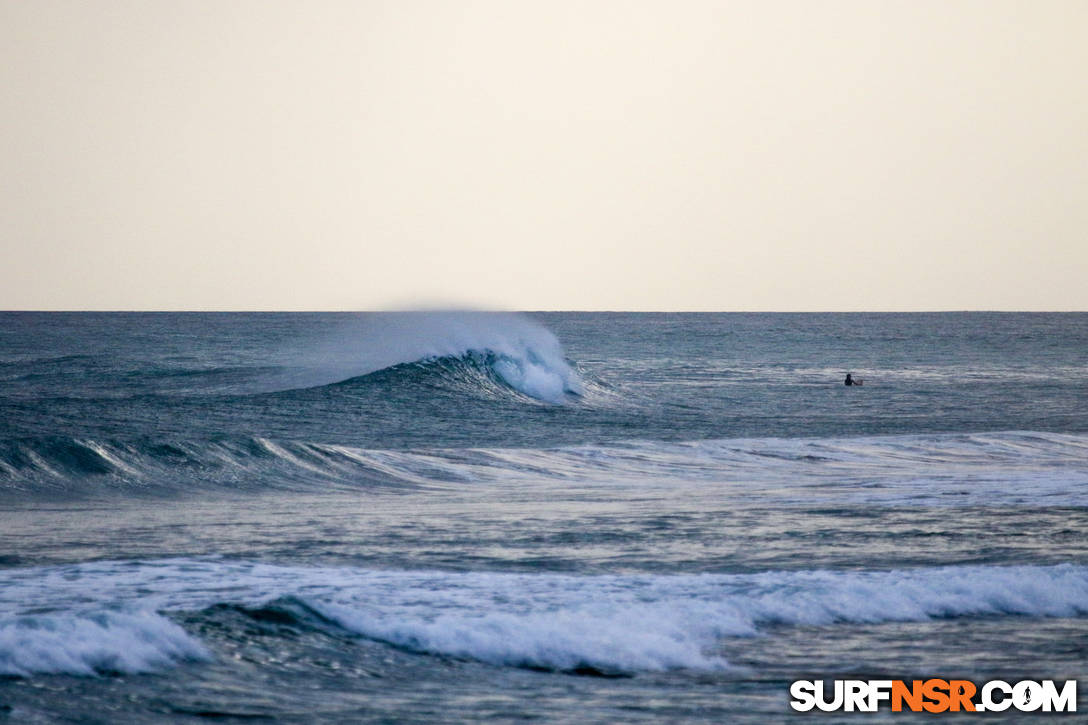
933	470
609	624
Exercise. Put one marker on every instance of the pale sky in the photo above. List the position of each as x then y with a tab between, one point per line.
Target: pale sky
671	155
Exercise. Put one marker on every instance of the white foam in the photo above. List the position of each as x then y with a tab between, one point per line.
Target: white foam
625	640
549	381
653	623
92	643
624	623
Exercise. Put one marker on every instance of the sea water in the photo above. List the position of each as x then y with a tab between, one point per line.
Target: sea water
591	517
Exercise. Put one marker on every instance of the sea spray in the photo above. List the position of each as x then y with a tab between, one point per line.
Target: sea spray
518	351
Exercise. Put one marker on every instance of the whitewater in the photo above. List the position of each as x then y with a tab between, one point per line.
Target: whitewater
447	516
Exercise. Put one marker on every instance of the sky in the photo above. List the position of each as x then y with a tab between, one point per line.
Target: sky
587	155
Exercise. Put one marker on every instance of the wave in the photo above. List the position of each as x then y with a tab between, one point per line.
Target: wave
483	373
604	624
947	469
94	643
478	351
618	624
86	467
506	348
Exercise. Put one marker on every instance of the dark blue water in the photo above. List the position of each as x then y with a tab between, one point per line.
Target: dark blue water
593	516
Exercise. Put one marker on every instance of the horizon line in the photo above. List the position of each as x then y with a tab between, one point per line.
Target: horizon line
454	308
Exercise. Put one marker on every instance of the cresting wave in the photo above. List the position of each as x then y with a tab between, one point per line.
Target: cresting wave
506	348
988	468
489	352
615	624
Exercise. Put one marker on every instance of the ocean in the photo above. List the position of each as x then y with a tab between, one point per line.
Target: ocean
556	517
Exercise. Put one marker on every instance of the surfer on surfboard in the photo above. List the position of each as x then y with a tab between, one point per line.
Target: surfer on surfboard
850	380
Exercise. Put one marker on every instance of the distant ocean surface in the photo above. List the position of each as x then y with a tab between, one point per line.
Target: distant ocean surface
577	517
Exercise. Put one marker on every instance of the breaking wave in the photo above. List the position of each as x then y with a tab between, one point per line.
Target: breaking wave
489	352
603	624
488	348
94	643
486	373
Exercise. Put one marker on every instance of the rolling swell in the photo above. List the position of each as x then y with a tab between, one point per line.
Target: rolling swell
78	467
990	468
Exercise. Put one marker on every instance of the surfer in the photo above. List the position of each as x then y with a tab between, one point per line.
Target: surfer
850	380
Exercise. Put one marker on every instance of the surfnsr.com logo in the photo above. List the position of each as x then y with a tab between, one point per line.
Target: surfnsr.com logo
934	695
